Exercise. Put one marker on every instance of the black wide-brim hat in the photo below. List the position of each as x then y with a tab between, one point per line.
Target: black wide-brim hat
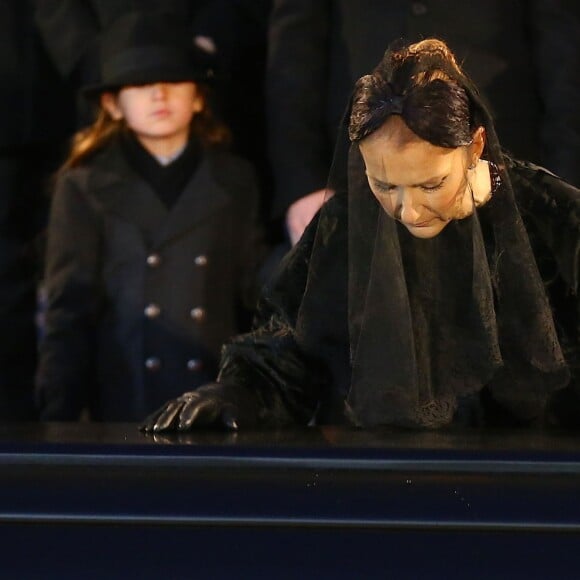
141	48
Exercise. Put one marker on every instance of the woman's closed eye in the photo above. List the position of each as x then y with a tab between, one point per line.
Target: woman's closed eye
429	187
388	188
384	187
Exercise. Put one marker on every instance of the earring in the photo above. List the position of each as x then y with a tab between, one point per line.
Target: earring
473	165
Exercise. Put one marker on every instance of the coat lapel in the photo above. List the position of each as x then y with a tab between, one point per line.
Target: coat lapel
202	196
119	190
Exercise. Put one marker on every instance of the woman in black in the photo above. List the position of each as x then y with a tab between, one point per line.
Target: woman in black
438	285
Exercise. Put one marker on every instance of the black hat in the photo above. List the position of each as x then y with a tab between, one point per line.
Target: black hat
147	47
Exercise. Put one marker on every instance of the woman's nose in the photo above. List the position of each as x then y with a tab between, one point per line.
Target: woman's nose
407	211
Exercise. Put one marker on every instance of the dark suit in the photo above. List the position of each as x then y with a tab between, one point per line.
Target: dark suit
141	298
523	54
36	118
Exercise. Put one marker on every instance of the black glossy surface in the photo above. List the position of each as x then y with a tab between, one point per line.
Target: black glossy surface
108	500
119	437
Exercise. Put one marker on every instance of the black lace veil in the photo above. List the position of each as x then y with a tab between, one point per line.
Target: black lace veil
429	320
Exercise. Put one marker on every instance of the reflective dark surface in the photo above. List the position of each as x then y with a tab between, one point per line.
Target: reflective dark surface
106	501
119	437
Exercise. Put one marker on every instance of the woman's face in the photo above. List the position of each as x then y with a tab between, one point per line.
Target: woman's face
156	112
419	184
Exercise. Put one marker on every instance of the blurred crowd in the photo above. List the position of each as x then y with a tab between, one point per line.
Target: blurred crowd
281	74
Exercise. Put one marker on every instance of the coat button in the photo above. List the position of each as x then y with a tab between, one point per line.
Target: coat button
419	8
194	365
153	260
200	260
197	313
152	363
152	311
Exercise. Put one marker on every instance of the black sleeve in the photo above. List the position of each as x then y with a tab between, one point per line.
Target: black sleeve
296	98
252	247
69	29
555	30
67	350
268	361
234	25
550	208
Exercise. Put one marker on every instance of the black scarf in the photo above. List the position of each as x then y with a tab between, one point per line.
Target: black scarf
168	181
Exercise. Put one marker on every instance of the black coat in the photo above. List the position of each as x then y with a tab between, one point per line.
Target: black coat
141	298
36	99
293	383
38	117
523	54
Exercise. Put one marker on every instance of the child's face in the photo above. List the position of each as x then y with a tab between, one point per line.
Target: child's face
157	113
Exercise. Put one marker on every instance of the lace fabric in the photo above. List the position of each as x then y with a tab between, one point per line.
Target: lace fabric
433	320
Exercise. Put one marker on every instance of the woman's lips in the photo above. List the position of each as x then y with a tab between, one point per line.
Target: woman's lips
419	224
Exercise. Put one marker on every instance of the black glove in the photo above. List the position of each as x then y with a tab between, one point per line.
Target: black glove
216	405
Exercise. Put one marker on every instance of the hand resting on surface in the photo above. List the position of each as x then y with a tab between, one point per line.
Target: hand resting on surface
213	405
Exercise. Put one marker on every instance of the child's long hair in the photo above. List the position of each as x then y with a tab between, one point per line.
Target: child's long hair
211	132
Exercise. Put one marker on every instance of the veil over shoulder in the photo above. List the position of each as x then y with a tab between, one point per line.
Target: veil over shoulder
432	320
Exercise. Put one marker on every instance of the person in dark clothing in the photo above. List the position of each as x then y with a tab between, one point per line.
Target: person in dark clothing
35	125
526	51
153	241
437	287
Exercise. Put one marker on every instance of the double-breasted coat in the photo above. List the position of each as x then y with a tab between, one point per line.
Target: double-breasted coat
140	298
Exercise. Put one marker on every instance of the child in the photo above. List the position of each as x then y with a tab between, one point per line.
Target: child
152	240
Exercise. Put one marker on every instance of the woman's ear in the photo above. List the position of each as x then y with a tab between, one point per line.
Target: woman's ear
110	104
477	144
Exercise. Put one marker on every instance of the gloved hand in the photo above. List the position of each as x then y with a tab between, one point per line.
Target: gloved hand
215	404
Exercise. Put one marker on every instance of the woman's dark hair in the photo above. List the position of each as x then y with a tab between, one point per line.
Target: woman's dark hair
423	84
